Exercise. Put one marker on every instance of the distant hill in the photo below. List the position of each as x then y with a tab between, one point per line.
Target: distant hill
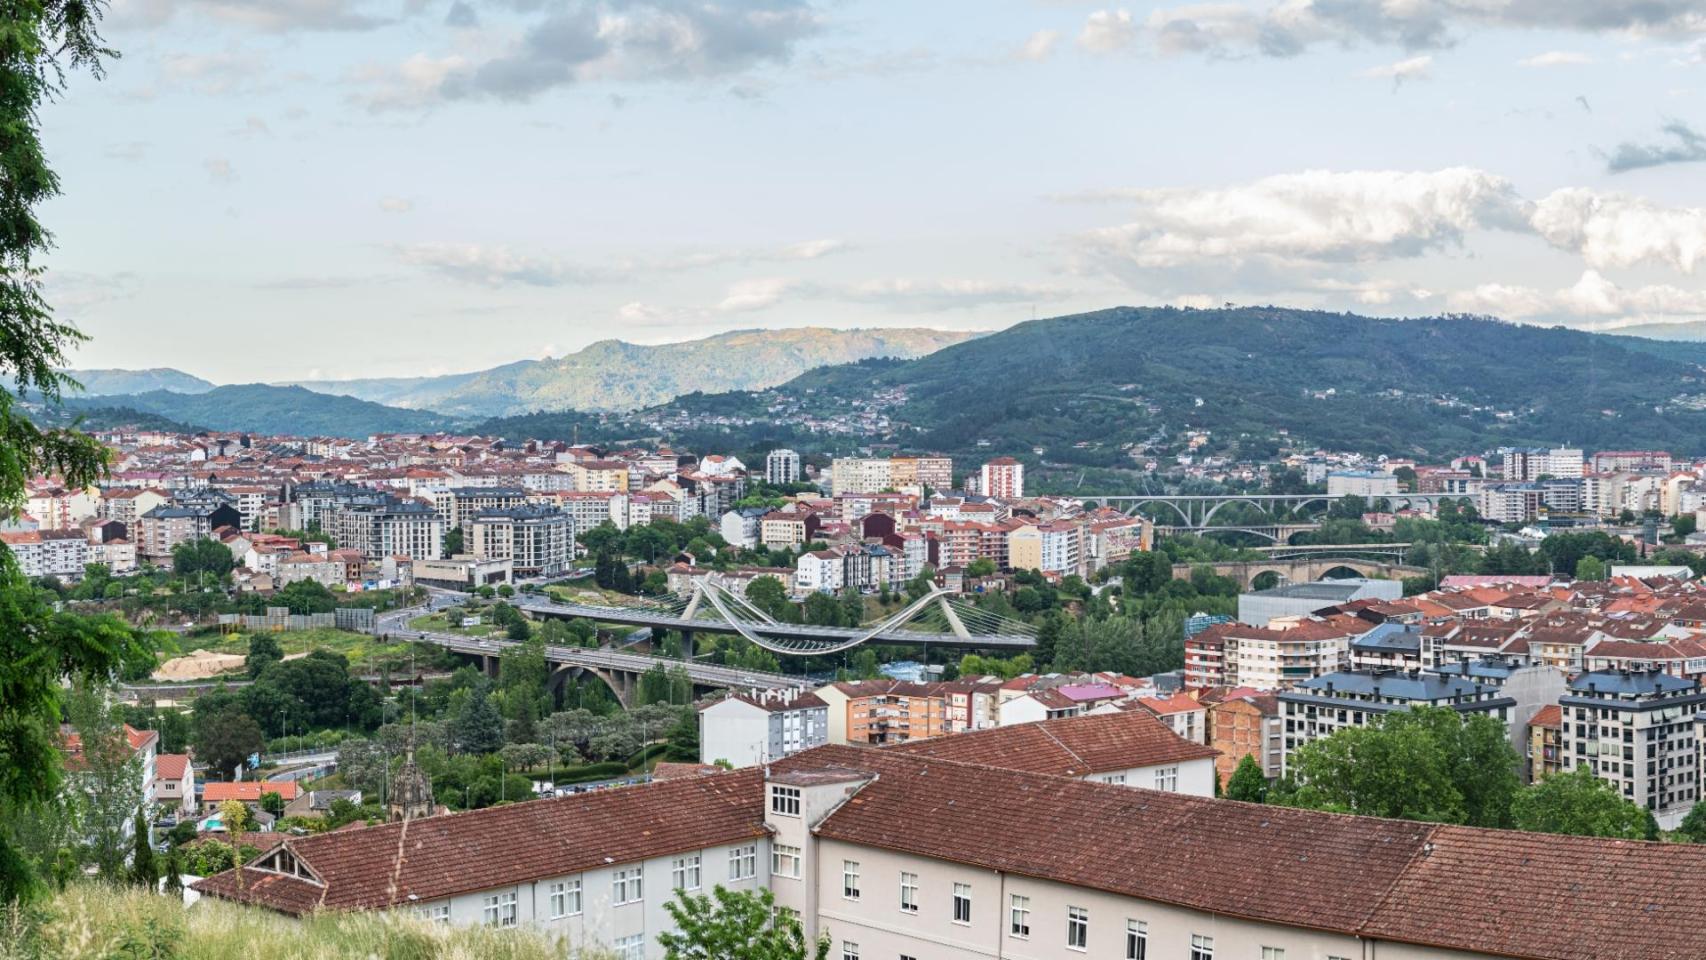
106	383
259	408
1089	388
612	375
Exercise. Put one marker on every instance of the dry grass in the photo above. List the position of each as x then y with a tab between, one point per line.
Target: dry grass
94	922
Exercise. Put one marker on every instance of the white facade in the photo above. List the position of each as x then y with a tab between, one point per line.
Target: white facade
1367	484
819	570
781	467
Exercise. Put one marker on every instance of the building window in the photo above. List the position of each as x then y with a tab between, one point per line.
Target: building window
489	911
785	861
558	901
631	947
1167	778
1077	928
1019	912
785	801
850	879
1273	953
1136	940
962	903
909	892
743	863
506	910
849	950
1202	948
684	873
436	913
572	899
629	886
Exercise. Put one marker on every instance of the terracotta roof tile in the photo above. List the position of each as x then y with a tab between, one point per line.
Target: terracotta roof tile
1070	747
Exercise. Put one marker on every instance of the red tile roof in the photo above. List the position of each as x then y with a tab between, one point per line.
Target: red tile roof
248	791
1069	747
438	857
171	766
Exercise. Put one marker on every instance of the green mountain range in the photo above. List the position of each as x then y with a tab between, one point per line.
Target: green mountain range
107	383
614	376
260	408
1094	389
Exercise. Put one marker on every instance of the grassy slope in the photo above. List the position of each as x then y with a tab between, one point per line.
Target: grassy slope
93	922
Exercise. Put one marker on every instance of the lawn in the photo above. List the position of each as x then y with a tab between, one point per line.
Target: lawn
358	647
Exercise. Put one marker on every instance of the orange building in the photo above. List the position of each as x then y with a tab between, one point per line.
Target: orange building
1246	726
886	711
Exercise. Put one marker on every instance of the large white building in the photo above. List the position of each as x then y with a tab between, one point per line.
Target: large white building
1526	464
750	729
540	541
781	467
894	855
1002	477
49	553
1367	484
1636	731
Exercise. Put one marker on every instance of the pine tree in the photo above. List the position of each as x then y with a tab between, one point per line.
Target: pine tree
143	870
1247	782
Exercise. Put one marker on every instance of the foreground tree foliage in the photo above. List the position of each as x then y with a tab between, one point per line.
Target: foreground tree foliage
729	924
39	41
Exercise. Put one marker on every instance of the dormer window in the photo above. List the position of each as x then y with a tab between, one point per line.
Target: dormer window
785	801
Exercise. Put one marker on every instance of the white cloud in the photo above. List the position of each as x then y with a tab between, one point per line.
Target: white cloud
396	204
268	16
1593	297
1618	230
750	295
1039	46
1108	31
1314	216
1556	58
498	266
1413	68
230	71
804	250
412	84
1289	27
939	295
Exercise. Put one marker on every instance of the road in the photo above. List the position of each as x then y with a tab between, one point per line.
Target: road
396	623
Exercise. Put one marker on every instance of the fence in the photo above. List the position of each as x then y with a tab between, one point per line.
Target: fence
278	619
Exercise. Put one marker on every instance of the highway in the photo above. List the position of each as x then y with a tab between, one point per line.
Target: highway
704	674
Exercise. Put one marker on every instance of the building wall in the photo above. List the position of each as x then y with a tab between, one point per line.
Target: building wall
882	930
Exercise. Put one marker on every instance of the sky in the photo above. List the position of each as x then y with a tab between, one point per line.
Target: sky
268	190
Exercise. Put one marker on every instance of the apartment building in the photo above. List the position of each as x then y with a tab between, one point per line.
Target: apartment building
752	729
860	475
1264	658
885	711
1247	726
459	504
1526	464
1636	731
128	505
602	476
539	541
49	553
1368	484
892	855
1325	705
168	525
1544	753
388	528
1055	547
782	467
1002	478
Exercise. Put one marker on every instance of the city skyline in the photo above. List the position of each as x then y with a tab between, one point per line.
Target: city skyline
553	174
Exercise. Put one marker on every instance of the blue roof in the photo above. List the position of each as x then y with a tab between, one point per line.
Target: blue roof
1398	686
1391	636
1634	682
1479	669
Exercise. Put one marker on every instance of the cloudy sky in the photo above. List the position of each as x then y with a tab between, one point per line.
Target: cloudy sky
276	189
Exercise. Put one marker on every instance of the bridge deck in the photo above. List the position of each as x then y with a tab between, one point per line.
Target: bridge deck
648	618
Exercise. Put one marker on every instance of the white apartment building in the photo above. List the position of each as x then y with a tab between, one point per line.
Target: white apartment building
1527	464
752	729
539	541
894	855
819	571
1636	731
1367	484
1003	478
782	467
860	475
49	553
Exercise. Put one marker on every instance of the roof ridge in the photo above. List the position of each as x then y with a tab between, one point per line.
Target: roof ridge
1050	734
